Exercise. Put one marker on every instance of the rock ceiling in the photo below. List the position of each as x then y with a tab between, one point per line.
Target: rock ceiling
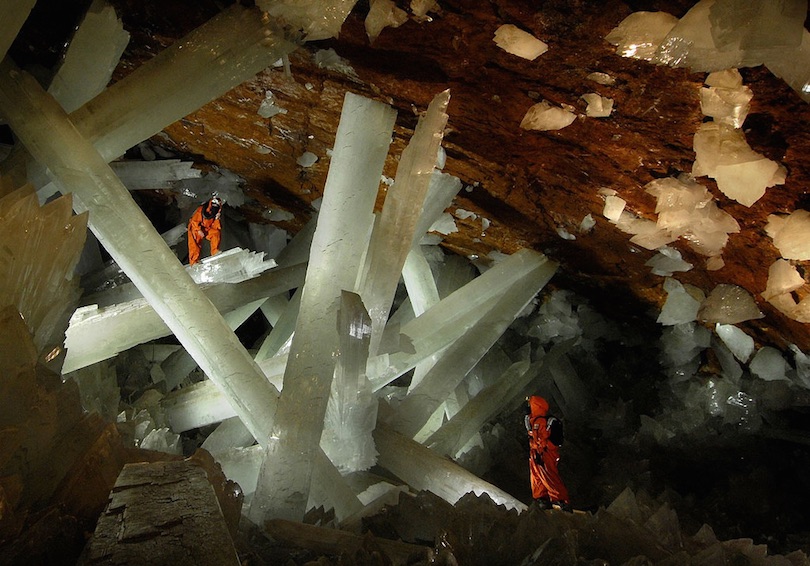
529	185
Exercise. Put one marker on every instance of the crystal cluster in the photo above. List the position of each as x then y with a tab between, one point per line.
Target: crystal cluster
715	35
685	210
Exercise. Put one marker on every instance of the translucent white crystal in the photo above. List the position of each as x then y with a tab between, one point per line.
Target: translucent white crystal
614	206
598	106
231	266
545	117
667	261
199	405
726	104
445	224
454	434
161	174
335	260
729	304
441	191
686	209
317	19
383	14
690	44
601	78
757	25
267	238
565	234
683	342
640	34
587	224
91	57
646	233
352	410
268	108
791	65
791	234
740	343
162	440
681	305
444	323
307	159
728	364
714	263
783	278
419	281
514	40
420	8
802	363
421	468
395	232
231	433
329	59
768	364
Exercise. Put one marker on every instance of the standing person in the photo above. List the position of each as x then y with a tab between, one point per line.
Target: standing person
204	224
545	438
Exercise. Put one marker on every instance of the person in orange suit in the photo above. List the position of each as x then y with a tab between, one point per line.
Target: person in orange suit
548	488
204	224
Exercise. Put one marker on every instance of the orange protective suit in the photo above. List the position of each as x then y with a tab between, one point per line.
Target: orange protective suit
543	455
204	224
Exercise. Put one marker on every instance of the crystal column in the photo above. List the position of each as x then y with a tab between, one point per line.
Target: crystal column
341	237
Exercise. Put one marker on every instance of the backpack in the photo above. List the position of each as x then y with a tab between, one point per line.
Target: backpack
554	427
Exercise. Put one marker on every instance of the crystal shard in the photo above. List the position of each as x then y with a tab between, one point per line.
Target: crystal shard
545	117
639	34
598	106
91	57
518	42
317	19
422	468
451	437
383	14
791	234
395	231
729	304
352	410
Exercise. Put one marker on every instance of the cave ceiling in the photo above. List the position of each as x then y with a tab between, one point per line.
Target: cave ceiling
531	186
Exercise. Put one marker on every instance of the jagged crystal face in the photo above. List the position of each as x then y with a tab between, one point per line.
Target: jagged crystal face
791	234
640	34
742	174
514	40
91	57
545	117
729	304
783	280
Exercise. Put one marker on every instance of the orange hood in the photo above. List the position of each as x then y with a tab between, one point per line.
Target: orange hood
538	406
